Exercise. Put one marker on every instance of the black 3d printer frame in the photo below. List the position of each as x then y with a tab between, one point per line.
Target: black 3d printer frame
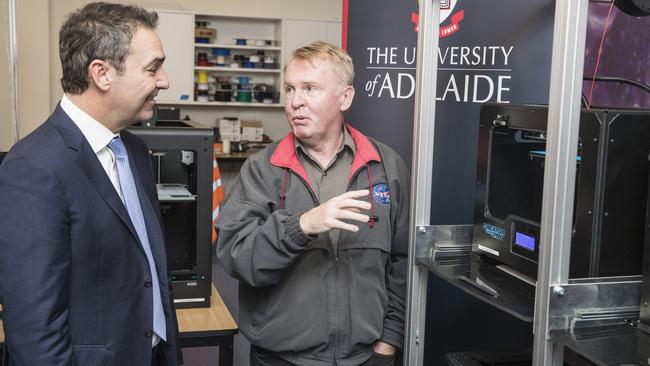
188	224
610	195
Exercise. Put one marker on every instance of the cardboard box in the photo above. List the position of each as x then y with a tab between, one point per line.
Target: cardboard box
229	123
251	137
256	124
252	131
229	130
231	137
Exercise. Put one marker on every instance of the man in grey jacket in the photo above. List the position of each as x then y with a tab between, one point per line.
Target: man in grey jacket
316	230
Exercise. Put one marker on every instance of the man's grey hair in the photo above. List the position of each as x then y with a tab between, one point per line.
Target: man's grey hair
320	50
98	31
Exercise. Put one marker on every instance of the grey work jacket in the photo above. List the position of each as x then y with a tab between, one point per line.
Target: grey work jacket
300	296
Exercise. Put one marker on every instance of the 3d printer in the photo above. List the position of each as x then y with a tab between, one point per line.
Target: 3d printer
610	195
181	154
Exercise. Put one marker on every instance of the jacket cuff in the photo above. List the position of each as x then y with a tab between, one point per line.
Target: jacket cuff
393	338
295	233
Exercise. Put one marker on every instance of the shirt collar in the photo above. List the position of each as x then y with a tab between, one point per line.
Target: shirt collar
95	133
348	141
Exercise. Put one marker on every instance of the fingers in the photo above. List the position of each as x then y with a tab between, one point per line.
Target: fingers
354	194
345	226
347	207
349	215
339	223
331	214
350	205
348	200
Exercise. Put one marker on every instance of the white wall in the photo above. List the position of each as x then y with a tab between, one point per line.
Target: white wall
33	68
5	97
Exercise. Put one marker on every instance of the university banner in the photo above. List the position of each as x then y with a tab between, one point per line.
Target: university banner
490	51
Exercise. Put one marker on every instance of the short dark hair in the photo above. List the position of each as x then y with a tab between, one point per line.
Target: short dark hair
98	31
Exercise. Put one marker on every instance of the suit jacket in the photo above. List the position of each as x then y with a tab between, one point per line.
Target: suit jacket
74	279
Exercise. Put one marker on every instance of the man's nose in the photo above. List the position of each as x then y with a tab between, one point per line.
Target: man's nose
163	81
297	99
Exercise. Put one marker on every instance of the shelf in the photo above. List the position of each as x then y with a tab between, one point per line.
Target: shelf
486	282
613	345
237	47
236	155
237	69
222	104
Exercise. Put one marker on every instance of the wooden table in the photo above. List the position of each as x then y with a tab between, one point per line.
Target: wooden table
199	327
213	326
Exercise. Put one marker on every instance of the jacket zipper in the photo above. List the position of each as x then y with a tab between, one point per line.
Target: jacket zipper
335	251
338	272
336	264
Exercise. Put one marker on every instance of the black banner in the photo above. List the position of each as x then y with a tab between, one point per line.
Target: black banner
496	51
490	51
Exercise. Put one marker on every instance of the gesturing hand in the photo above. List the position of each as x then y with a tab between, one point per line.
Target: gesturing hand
330	215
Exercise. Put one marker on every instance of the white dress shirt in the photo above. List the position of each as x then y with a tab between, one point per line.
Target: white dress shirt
98	137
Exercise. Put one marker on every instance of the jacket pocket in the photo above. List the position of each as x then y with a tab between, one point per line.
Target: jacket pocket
363	267
377	237
292	315
90	355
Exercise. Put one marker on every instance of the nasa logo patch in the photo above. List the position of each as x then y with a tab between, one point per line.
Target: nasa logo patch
381	194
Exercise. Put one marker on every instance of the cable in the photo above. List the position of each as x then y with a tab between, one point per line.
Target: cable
617	79
612	79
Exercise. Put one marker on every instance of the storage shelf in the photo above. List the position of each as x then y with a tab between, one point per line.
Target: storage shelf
237	47
613	345
486	282
236	155
237	69
222	104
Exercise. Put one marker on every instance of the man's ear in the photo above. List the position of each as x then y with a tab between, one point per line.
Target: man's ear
347	95
98	74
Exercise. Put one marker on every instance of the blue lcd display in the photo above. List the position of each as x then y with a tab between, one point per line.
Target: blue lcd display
525	241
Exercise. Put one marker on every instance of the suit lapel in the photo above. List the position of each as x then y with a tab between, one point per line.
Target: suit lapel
90	165
92	168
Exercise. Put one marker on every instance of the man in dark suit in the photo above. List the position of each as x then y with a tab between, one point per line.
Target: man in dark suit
83	272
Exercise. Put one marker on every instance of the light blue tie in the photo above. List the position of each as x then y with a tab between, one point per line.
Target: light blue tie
132	203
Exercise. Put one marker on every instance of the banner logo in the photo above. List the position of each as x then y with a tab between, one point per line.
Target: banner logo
446	9
448	30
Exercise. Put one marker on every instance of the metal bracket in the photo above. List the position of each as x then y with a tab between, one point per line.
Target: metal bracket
585	319
594	302
435	242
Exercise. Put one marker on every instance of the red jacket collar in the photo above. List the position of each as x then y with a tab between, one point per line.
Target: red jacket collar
285	154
